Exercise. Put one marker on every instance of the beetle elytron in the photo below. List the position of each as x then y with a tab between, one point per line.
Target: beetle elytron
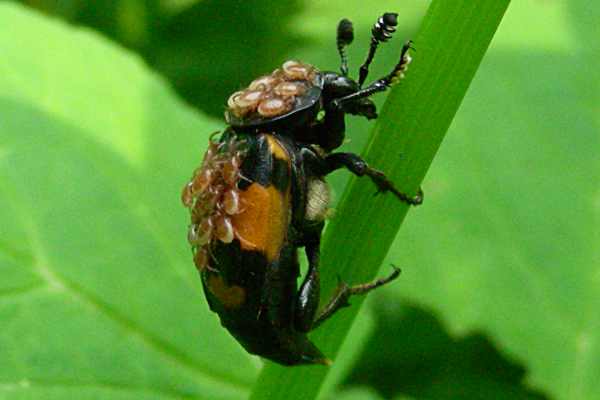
260	195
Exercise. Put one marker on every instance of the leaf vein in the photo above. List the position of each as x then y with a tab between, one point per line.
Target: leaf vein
162	347
11	293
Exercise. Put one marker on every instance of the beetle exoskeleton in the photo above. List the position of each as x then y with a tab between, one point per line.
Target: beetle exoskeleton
260	195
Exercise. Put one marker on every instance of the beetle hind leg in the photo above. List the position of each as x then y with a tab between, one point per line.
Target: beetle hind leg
343	293
307	301
359	167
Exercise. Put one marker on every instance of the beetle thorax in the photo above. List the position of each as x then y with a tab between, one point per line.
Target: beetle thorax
273	95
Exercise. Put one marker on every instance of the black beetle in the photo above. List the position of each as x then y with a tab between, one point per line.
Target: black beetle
260	194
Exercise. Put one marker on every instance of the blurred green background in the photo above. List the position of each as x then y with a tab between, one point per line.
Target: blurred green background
500	290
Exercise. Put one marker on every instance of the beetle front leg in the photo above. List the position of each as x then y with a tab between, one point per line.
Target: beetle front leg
359	167
343	293
307	301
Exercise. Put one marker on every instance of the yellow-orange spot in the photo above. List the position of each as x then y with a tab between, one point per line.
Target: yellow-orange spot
277	149
230	296
262	226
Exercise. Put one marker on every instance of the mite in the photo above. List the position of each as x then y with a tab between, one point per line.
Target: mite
260	195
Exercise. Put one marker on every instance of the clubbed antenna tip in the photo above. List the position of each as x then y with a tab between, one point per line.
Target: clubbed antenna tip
382	31
345	36
385	26
345	32
390	19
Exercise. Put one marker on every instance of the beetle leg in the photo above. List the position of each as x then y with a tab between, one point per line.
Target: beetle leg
359	167
307	301
379	85
343	293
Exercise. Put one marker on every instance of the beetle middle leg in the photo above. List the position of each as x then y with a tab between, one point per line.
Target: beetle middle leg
359	167
343	293
307	301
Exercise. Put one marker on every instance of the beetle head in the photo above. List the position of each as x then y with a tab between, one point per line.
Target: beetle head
363	107
337	87
346	95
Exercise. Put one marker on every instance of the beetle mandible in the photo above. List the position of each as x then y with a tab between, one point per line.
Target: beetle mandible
260	195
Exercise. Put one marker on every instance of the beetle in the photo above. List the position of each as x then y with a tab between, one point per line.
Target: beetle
260	195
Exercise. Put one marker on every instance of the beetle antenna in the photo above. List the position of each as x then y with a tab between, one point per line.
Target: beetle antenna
400	68
345	36
381	32
381	84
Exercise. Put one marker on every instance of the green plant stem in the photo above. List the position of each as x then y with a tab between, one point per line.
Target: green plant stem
449	46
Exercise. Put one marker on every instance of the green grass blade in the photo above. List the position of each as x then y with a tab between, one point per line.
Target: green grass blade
450	45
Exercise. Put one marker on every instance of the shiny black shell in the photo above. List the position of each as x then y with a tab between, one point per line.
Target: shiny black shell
251	281
300	109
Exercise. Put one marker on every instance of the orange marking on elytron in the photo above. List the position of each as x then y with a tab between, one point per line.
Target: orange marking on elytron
230	296
262	226
277	149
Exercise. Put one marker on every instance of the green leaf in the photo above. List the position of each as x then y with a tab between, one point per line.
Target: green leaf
406	137
505	245
357	393
514	202
98	296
